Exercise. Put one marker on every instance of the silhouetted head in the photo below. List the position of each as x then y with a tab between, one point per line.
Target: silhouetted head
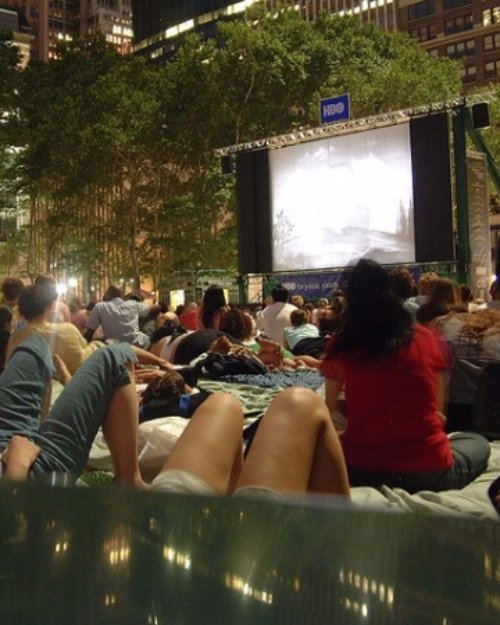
112	292
279	294
36	300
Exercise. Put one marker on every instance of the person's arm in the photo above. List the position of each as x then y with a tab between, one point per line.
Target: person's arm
89	334
286	344
441	395
18	457
333	388
148	358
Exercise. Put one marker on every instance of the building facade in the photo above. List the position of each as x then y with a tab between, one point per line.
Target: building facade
53	21
459	29
160	25
13	20
113	18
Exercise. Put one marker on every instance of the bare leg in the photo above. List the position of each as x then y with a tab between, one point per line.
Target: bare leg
210	446
296	448
120	431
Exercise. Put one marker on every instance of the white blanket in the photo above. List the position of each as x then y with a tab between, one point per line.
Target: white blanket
472	500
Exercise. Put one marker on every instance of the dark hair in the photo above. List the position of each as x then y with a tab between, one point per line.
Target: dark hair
442	299
111	292
134	295
5	317
34	300
236	323
279	294
495	289
45	280
466	293
11	287
374	320
46	283
298	317
401	282
213	300
171	384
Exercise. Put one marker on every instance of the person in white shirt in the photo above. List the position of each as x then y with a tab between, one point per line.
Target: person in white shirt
276	316
119	319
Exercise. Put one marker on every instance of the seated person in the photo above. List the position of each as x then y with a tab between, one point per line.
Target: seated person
212	306
474	340
403	285
295	449
276	315
392	371
238	325
330	318
9	295
119	319
60	311
189	317
35	303
443	297
78	314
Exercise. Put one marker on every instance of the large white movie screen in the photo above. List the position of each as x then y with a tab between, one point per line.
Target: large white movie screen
340	199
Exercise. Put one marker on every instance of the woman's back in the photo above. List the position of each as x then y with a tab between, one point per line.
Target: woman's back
391	406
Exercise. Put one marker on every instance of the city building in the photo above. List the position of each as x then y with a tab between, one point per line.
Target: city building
113	18
459	29
13	20
53	21
160	25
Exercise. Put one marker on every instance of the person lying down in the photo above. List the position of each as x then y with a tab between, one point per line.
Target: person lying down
295	449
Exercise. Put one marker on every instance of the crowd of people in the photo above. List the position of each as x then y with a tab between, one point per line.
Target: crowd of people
389	349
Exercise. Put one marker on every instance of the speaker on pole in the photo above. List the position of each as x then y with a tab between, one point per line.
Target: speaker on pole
480	115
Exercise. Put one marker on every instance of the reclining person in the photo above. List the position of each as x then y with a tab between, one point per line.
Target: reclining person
99	394
295	449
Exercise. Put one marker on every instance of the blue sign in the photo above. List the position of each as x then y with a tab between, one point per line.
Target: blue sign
335	109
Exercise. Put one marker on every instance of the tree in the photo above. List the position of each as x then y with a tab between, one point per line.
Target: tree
118	157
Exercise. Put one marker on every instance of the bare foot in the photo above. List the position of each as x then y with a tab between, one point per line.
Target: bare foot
61	373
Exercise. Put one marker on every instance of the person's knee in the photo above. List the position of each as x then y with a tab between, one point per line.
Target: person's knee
302	401
224	402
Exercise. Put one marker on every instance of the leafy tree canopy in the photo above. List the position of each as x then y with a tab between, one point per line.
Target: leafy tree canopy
119	156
